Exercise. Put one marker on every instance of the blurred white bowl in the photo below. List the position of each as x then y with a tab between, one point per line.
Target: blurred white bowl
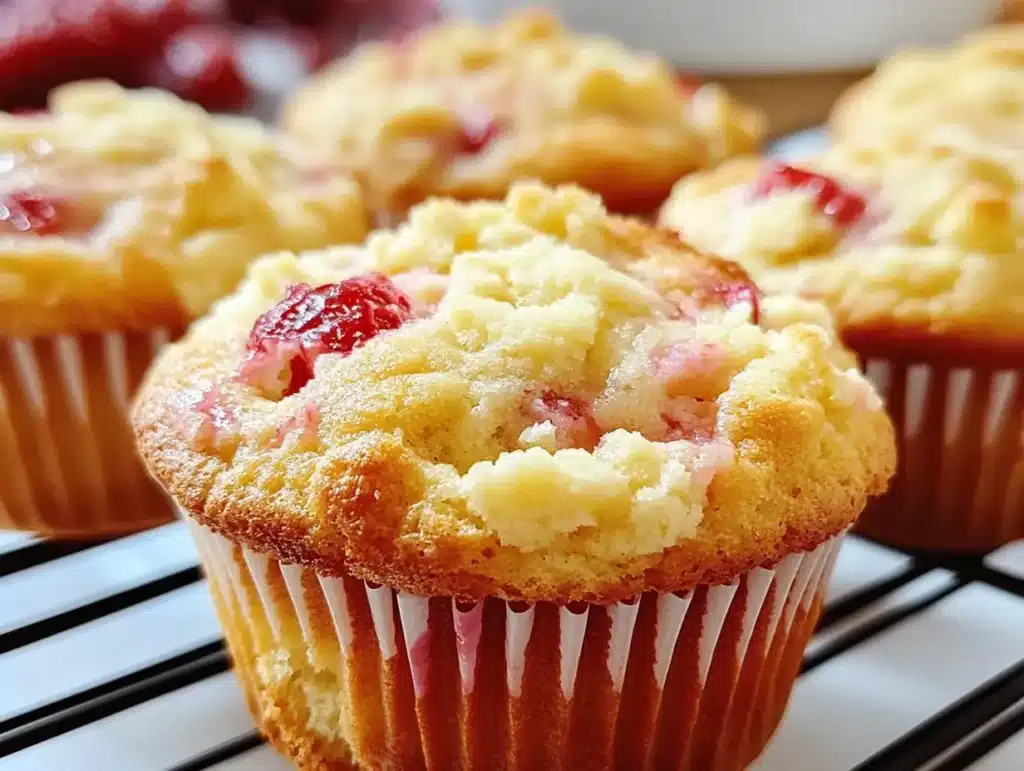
759	36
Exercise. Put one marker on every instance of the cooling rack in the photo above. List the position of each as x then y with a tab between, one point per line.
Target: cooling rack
111	659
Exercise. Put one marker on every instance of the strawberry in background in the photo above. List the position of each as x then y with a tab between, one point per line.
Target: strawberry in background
218	53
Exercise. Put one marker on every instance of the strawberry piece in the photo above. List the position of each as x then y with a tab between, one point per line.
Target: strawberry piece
23	212
476	131
843	206
201	64
308	322
572	418
687	84
733	293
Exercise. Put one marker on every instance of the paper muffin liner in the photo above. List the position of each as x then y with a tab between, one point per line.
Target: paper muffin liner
339	671
960	482
69	466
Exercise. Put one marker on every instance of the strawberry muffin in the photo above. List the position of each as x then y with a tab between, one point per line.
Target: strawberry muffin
977	84
123	215
518	484
463	110
919	257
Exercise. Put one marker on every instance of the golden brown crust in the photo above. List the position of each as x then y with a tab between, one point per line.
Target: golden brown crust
165	207
399	502
566	109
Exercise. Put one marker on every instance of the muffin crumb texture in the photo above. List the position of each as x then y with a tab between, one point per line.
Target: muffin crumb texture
528	394
925	241
463	110
132	209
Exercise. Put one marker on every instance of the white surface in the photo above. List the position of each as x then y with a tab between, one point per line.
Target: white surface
89	575
1007	757
10	540
862	564
261	759
759	36
104	649
163	732
920	589
1009	559
849	708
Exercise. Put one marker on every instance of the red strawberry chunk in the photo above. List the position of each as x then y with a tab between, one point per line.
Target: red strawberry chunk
843	206
333	318
687	84
572	418
477	130
23	212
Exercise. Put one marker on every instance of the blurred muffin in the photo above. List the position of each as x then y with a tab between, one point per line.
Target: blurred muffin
122	216
977	84
463	110
919	257
518	484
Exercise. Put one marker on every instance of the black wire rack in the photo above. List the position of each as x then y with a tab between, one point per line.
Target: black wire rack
110	659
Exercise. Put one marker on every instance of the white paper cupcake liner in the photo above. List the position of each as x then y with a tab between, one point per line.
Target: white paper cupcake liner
337	669
960	482
66	448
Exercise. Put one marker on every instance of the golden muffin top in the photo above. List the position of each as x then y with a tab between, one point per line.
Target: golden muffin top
977	84
530	399
133	209
925	244
464	110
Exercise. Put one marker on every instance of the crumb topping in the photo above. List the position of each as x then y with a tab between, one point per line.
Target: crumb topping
935	242
462	109
553	400
130	208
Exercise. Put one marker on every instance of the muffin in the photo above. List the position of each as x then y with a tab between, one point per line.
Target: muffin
976	84
518	484
919	257
463	110
124	215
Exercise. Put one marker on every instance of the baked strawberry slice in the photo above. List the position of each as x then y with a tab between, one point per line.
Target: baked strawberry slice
687	84
477	130
31	213
286	341
843	206
572	418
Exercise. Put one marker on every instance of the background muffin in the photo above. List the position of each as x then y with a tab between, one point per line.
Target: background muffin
977	84
122	216
516	482
918	256
464	110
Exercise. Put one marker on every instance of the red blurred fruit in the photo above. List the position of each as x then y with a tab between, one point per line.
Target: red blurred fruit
476	131
843	206
201	64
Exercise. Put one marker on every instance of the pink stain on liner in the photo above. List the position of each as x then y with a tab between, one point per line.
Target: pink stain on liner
468	630
419	662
